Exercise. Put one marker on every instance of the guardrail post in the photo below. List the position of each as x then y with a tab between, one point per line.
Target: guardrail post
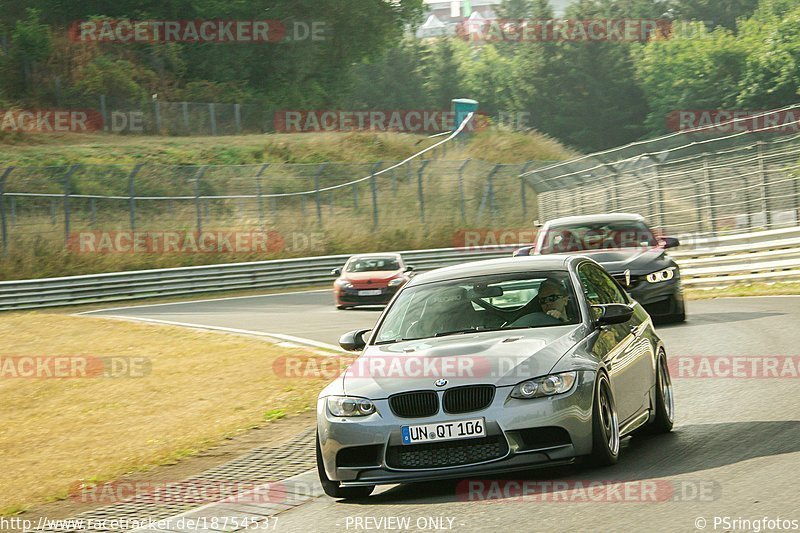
93	211
355	196
260	199
374	187
318	194
523	191
212	119
3	228
488	195
13	202
237	118
461	205
157	115
197	208
762	172
420	190
67	193
659	198
712	214
131	196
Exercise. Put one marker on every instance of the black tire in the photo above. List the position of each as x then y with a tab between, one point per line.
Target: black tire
333	489
665	400
605	424
342	307
680	314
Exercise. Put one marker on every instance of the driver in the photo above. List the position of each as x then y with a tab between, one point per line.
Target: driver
553	299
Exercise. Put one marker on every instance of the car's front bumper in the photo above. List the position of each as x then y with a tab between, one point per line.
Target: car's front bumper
659	299
352	297
538	432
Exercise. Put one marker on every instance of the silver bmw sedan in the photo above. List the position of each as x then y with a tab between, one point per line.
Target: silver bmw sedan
493	366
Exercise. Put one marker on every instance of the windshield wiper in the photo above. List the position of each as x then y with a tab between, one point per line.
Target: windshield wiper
465	330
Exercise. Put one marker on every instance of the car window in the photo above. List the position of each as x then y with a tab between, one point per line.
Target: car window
598	286
372	264
597	236
483	303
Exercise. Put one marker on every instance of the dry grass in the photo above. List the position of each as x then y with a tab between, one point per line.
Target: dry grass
746	289
55	149
202	388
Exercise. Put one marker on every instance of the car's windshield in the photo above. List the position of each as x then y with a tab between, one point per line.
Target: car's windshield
372	264
484	303
596	236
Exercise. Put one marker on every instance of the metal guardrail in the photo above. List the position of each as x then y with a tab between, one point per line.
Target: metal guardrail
767	256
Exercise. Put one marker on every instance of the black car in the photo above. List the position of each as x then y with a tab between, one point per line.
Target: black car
624	245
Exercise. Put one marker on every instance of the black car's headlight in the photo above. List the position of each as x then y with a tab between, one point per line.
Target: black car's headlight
662	275
350	406
545	386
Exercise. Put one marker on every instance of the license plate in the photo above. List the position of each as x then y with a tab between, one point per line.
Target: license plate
376	292
462	429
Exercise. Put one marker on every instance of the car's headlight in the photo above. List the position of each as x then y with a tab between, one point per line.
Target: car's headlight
662	275
350	406
343	283
546	386
396	282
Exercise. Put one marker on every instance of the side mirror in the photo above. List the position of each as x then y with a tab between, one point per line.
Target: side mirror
336	271
353	341
613	314
670	242
408	268
528	250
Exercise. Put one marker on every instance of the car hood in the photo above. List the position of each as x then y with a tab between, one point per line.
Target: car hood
637	260
500	358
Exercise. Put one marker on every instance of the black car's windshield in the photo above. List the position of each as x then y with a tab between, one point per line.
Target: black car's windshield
486	303
372	264
596	236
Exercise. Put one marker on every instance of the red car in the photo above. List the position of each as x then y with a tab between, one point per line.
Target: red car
369	279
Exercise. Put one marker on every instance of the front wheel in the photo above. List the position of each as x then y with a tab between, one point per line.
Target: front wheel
605	425
332	488
665	400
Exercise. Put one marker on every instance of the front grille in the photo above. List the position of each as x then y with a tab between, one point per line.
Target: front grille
414	404
444	454
467	399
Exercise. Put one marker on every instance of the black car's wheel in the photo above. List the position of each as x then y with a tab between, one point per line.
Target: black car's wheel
333	489
679	311
605	424
342	307
665	399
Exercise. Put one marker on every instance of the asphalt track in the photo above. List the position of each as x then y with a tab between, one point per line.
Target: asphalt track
734	452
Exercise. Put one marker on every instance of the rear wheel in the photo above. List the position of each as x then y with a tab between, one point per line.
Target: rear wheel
665	400
332	488
605	425
342	307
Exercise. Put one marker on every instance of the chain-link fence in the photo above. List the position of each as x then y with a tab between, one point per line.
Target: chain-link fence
700	182
55	202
